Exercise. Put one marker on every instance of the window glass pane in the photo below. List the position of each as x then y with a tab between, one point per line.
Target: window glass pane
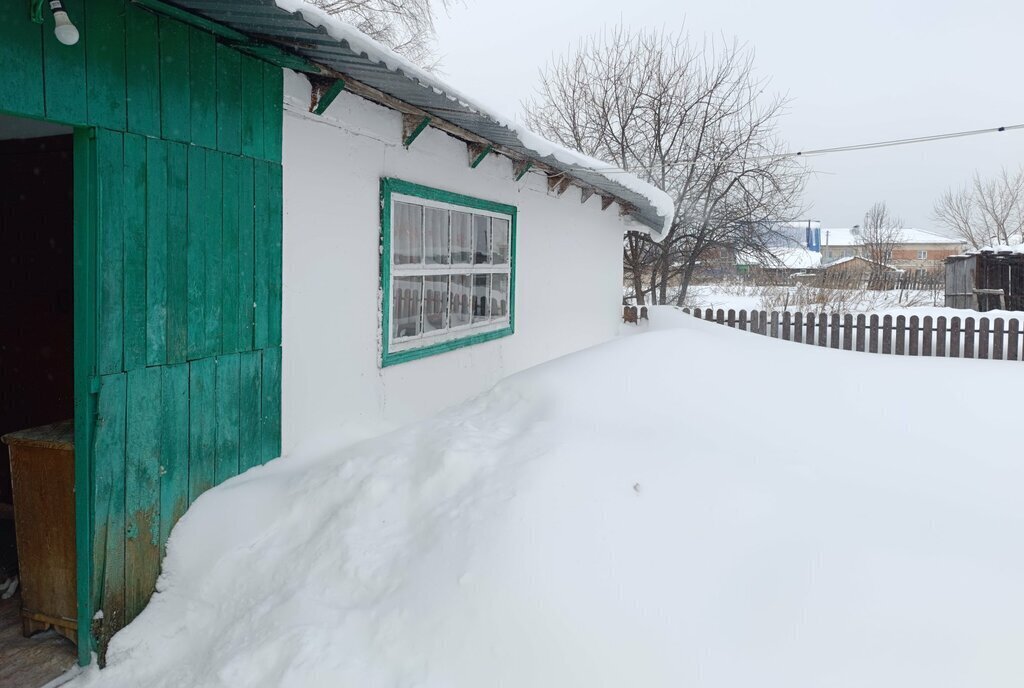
499	296
460	311
481	286
435	303
405	311
481	239
499	241
407	233
462	238
435	235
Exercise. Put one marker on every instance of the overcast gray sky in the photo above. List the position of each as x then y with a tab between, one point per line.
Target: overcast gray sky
856	72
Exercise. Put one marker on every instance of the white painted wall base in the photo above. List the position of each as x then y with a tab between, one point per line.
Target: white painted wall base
569	270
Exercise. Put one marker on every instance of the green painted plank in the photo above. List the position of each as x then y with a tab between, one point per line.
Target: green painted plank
192	19
156	252
202	426
143	72
213	310
252	107
110	170
273	113
227	416
175	98
270	410
142	488
196	247
105	63
229	100
65	72
275	240
174	457
108	507
246	255
262	259
230	254
203	85
134	251
249	410
21	61
177	252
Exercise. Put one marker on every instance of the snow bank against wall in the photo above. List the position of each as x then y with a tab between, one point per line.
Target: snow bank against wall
568	265
594	524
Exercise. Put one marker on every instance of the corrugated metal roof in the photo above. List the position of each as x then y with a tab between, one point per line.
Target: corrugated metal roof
265	21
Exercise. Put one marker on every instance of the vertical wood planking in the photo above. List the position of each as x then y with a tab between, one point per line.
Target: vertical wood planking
202	426
743	320
848	332
927	336
968	347
229	100
271	404
998	335
1013	340
156	251
230	318
873	336
175	96
250	441
983	335
228	416
731	318
915	329
174	456
65	82
273	113
834	326
143	72
798	327
109	506
134	251
253	136
787	324
940	336
810	329
21	60
954	338
822	329
196	250
774	328
110	218
177	252
202	77
901	335
142	487
861	344
262	262
105	63
246	256
276	264
214	253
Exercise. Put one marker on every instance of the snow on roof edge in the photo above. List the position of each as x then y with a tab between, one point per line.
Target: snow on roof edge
361	43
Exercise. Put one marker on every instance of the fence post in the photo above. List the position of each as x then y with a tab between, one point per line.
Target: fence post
743	321
787	324
940	336
954	337
810	329
709	315
775	325
915	328
798	327
848	332
983	335
1013	341
969	338
822	329
731	318
834	334
927	332
720	316
997	340
887	334
873	337
755	322
859	343
696	313
901	335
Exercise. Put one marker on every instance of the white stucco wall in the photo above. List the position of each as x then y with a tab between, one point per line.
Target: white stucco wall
568	270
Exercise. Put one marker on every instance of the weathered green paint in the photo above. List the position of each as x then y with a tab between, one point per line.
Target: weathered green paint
417	130
330	95
184	17
166	272
521	169
479	158
388	187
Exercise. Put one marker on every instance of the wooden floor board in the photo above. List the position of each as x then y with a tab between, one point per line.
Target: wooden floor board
30	662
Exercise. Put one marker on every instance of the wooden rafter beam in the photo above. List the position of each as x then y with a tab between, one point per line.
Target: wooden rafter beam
323	92
520	169
606	202
477	153
412	127
585	194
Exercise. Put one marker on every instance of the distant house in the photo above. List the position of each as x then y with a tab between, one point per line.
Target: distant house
919	251
989	279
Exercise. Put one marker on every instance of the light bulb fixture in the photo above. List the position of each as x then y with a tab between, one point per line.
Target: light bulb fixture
64	29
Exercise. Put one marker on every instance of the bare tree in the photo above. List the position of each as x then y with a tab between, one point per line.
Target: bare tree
985	211
405	26
879	236
692	119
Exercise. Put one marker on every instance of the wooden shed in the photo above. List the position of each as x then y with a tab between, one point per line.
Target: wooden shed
986	280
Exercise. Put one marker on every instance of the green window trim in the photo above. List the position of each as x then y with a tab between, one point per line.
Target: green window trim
389	187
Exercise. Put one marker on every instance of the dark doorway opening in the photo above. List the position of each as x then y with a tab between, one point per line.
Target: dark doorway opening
37	557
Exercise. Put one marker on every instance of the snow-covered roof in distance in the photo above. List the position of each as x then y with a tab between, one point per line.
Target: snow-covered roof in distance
789	257
326	41
847	259
848	236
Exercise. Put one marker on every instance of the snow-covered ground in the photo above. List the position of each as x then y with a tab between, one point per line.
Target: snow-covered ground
741	296
670	509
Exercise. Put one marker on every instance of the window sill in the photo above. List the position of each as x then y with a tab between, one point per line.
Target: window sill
391	358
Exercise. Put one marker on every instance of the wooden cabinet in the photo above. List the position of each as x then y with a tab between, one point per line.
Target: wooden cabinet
43	481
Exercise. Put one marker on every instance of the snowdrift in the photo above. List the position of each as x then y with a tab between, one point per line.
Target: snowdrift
691	507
